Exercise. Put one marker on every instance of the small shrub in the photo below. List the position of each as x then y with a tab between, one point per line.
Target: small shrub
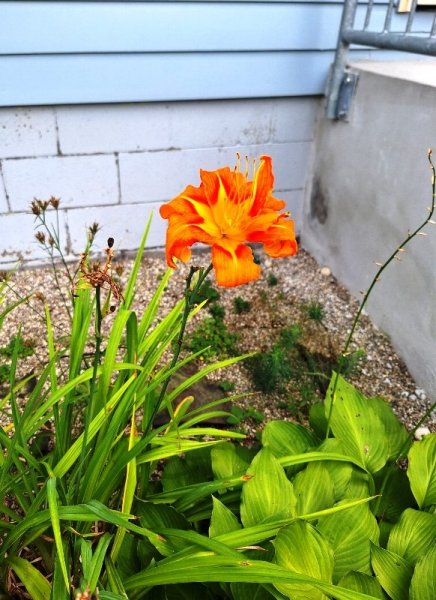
206	292
216	310
241	305
25	347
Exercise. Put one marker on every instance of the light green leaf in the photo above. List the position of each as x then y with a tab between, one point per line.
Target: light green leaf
284	438
302	549
267	495
229	460
313	489
392	571
97	561
396	433
357	425
52	497
350	534
222	520
422	470
340	472
33	580
362	583
423	584
413	535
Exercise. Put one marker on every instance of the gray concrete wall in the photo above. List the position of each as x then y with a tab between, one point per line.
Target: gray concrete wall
115	163
371	185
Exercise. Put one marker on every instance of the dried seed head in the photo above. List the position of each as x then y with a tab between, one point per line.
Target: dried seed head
51	241
54	202
40	236
119	270
36	209
110	242
4	275
94	228
39	296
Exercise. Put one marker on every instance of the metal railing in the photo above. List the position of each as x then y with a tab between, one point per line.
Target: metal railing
377	26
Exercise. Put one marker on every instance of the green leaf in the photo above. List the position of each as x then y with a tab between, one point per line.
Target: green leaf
350	534
360	582
222	520
413	535
392	571
285	439
422	470
97	561
301	549
423	584
396	495
317	419
267	495
222	569
313	488
33	580
357	425
396	433
340	472
52	497
229	460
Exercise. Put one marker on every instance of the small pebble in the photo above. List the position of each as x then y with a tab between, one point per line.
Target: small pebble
421	432
413	397
325	272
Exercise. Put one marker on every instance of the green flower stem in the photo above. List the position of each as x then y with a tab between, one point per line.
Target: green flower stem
89	410
394	255
189	295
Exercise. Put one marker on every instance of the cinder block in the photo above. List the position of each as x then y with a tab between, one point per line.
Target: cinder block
159	176
125	223
159	126
76	180
113	128
17	237
294	203
293	119
27	132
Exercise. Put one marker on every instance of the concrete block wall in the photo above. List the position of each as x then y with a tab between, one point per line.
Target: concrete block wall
113	164
371	186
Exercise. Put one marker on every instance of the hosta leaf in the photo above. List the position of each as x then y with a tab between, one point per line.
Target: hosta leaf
356	424
396	433
413	535
423	584
350	533
302	549
287	439
313	488
249	591
340	472
229	460
284	438
392	571
396	495
362	583
161	516
33	580
317	419
358	485
222	520
268	495
422	470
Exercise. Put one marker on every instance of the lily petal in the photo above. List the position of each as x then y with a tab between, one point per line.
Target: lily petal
234	266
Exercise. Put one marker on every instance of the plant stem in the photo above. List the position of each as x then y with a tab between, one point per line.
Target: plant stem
189	295
89	410
394	255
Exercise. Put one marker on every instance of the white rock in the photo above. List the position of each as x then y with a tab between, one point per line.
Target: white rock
413	397
421	432
326	272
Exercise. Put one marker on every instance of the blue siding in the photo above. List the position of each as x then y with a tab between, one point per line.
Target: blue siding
81	52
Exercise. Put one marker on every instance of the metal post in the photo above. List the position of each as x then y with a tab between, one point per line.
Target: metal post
338	69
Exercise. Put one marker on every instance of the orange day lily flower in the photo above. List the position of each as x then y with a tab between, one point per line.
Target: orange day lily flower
224	212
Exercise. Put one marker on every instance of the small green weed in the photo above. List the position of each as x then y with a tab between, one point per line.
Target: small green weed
25	347
241	305
272	280
213	337
239	414
216	310
226	385
206	292
315	312
5	371
349	364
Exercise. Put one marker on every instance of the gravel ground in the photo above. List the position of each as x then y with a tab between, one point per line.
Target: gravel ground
300	281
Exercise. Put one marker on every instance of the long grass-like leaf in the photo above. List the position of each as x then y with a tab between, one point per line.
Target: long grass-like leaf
220	568
130	288
52	498
34	581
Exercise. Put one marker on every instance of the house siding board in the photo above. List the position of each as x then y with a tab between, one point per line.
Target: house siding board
103	52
